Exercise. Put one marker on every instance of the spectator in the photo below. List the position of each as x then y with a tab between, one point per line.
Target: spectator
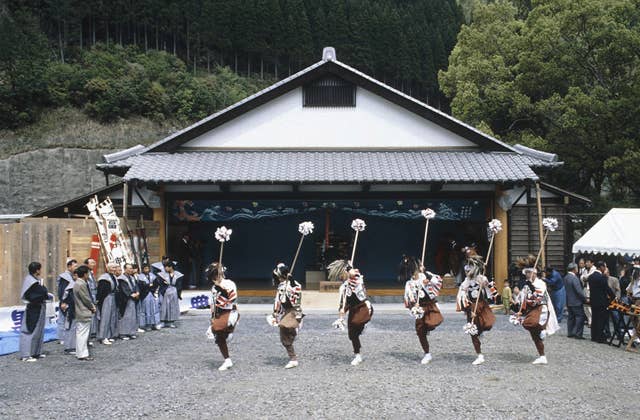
84	310
633	290
600	296
555	286
625	277
614	285
506	297
575	302
586	269
126	297
32	329
64	280
516	300
93	288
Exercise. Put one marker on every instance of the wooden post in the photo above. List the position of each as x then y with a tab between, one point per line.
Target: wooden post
68	252
125	199
501	247
160	215
540	227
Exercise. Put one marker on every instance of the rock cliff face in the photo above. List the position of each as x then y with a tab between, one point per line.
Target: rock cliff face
38	179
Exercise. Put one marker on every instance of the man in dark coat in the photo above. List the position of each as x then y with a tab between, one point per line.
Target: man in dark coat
600	296
575	301
35	295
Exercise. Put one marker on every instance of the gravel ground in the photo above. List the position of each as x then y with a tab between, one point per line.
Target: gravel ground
173	374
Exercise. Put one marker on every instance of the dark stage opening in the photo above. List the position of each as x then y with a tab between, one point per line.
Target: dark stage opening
265	233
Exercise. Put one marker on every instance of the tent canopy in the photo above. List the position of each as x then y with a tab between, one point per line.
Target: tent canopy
617	233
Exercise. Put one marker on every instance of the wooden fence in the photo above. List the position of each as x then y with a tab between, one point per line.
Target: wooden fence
524	237
50	242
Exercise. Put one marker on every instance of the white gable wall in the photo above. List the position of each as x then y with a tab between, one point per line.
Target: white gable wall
284	124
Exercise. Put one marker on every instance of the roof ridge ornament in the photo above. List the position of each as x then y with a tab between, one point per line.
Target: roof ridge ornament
329	54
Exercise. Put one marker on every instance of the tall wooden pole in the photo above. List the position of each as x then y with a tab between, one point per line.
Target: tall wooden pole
424	242
125	199
293	264
220	269
353	252
540	227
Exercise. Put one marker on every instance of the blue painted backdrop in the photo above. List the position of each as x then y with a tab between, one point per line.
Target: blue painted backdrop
266	232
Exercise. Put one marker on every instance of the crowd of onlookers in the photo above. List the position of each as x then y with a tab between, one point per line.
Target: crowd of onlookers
583	296
119	304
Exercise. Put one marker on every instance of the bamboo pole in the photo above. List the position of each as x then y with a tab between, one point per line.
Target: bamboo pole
220	269
540	252
353	252
293	264
424	242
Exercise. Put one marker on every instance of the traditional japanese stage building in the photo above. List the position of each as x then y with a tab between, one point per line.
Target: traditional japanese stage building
330	144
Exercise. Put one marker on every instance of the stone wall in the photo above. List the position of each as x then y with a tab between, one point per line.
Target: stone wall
36	180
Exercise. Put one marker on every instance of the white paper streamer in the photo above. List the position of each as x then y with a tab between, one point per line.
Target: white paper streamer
358	225
495	226
223	234
550	223
305	228
470	328
428	213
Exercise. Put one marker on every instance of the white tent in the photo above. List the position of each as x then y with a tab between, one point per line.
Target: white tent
617	233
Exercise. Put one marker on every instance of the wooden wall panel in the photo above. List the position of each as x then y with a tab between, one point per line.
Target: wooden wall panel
45	240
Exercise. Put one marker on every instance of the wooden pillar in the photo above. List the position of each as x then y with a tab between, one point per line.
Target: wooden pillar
501	245
160	215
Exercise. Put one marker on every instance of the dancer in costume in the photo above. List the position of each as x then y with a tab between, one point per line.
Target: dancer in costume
537	314
287	310
224	311
420	293
473	296
353	299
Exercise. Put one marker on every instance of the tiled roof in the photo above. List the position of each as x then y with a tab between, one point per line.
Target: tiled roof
326	167
537	158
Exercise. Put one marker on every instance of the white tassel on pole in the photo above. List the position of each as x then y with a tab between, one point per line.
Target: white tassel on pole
358	225
550	225
305	228
222	235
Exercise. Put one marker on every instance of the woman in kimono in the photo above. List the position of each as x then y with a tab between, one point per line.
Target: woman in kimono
224	310
127	297
149	311
353	299
107	313
35	295
287	312
420	294
539	315
170	289
473	296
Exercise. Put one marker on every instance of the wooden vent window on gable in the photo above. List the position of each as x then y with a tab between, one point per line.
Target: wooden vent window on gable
329	92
